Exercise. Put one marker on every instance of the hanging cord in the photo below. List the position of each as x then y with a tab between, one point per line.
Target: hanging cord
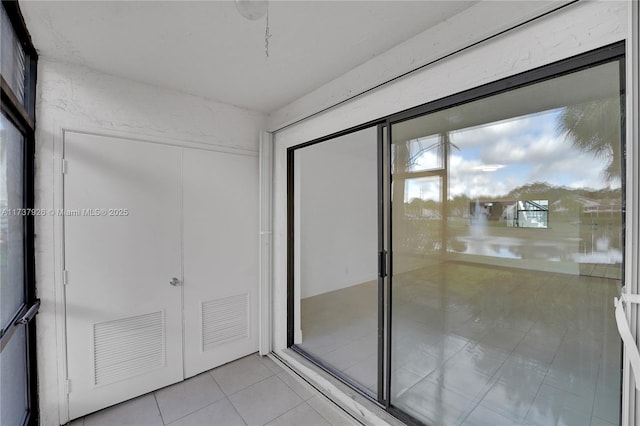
267	36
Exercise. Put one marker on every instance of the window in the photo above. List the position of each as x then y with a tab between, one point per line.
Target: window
468	278
18	304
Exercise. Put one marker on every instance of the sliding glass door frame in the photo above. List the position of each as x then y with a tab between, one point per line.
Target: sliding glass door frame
381	274
19	110
384	125
384	234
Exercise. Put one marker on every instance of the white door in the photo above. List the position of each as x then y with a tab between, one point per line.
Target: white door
124	318
220	258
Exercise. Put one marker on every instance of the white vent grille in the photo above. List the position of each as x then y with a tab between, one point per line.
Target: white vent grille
128	347
225	320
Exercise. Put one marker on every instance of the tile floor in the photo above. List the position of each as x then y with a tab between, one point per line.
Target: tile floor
253	390
480	345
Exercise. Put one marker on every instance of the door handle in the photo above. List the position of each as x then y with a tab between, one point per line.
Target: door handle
174	282
25	315
382	264
30	314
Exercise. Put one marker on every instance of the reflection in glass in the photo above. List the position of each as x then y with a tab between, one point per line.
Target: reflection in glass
11	225
336	222
13	380
507	253
13	62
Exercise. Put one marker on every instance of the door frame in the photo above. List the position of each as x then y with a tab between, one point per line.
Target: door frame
293	303
630	396
22	114
59	311
608	53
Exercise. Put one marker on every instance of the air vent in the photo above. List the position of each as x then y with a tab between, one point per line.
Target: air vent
128	347
225	320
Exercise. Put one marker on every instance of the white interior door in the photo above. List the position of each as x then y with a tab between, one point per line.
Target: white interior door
220	258
124	319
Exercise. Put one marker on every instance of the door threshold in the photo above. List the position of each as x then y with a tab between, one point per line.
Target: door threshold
359	408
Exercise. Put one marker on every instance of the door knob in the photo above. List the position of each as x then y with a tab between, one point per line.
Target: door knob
174	282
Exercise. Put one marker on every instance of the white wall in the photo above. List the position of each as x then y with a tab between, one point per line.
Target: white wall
77	98
575	29
338	192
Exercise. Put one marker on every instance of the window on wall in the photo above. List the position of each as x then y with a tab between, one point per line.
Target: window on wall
18	305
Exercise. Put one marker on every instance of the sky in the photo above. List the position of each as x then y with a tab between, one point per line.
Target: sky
495	158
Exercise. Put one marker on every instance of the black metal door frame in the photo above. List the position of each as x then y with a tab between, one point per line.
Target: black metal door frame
21	114
384	125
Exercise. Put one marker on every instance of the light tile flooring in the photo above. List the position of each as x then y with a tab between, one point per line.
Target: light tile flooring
480	345
250	391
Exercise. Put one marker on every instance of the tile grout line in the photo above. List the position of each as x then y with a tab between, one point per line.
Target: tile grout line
486	389
248	386
316	411
252	384
595	393
319	393
439	366
547	372
236	410
155	398
495	378
270	420
224	396
292	389
198	409
288	411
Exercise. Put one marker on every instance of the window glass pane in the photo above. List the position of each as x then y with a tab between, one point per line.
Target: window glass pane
420	154
421	229
11	221
337	224
12	64
507	260
13	380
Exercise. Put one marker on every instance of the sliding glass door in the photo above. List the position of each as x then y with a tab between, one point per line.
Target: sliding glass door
336	192
457	263
507	253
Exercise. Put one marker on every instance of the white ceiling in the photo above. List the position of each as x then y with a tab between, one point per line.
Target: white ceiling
207	48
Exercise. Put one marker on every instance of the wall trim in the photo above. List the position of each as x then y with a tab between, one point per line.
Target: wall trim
266	245
184	143
630	397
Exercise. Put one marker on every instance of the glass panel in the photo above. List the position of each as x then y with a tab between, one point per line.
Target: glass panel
11	221
12	64
13	380
422	154
336	195
506	261
420	231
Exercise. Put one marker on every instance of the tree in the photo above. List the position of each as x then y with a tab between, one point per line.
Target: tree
595	127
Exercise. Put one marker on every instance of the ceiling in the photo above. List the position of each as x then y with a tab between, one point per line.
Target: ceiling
208	49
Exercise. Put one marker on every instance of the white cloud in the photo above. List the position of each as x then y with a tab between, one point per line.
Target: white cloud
529	149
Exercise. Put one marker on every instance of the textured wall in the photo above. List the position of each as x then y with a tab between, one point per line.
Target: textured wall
78	98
